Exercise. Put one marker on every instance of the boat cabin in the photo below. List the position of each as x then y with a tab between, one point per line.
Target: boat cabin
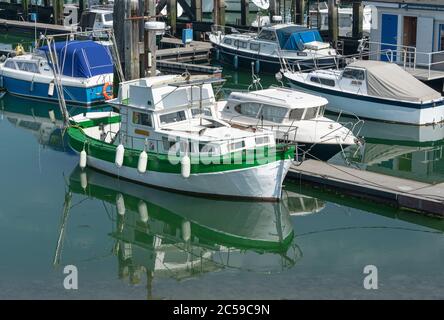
163	110
96	19
273	106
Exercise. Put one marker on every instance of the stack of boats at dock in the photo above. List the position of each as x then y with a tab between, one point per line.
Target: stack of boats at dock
171	132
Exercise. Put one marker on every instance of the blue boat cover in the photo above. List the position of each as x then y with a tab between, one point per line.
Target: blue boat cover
294	37
83	59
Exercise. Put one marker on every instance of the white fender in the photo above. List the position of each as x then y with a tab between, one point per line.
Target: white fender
120	151
186	231
143	162
83	180
82	161
143	211
120	204
185	166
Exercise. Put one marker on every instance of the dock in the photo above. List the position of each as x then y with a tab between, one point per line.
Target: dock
402	193
179	58
32	27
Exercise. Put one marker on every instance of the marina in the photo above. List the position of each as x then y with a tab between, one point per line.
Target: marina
210	150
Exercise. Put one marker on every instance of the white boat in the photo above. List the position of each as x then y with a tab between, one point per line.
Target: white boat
293	116
230	6
373	90
274	44
345	19
168	135
86	72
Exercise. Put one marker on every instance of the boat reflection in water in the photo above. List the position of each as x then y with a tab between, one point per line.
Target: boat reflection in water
301	205
43	119
411	152
163	234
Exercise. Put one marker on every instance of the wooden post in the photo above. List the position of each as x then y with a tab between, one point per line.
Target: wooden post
58	12
358	14
82	7
244	12
25	4
172	15
333	21
150	41
127	37
275	8
219	12
299	12
196	7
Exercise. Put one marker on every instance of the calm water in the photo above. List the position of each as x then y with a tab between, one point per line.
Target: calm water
168	246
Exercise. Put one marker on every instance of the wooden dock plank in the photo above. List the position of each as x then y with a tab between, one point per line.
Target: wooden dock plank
31	26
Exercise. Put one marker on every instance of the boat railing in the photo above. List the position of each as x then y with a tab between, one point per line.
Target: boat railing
407	56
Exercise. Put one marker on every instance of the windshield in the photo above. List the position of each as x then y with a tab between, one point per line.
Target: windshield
108	17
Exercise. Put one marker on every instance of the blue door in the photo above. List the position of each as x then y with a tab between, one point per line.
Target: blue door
389	35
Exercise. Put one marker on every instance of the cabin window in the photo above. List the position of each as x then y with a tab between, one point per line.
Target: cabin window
98	18
324	81
237	145
262	140
274	114
322	111
296	114
255	46
243	44
227	41
208	149
354	74
143	119
27	66
108	17
10	64
197	111
248	109
311	113
172	117
267	35
168	144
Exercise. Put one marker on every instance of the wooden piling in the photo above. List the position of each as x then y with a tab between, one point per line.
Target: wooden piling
245	12
150	44
25	5
172	15
333	21
219	12
358	14
58	12
299	11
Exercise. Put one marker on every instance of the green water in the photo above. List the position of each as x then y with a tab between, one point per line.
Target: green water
168	246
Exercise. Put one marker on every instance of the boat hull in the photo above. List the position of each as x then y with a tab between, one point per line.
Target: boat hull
84	95
367	107
271	64
320	151
259	182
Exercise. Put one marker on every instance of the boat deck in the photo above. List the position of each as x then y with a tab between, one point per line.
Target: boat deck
407	194
424	74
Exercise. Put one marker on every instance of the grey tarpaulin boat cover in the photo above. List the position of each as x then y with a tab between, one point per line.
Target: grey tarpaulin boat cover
385	79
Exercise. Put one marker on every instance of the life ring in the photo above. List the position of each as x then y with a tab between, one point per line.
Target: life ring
105	92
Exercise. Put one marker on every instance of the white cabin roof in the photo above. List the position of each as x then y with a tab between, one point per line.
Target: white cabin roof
282	97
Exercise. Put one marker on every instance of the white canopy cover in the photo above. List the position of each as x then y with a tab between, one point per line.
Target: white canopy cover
385	79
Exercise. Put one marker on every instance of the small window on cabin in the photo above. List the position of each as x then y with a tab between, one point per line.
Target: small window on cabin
311	113
98	18
207	149
108	17
254	46
324	81
143	119
10	64
267	35
242	44
250	109
321	111
228	41
262	140
27	66
296	114
237	145
236	43
172	117
274	114
354	74
197	111
168	144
